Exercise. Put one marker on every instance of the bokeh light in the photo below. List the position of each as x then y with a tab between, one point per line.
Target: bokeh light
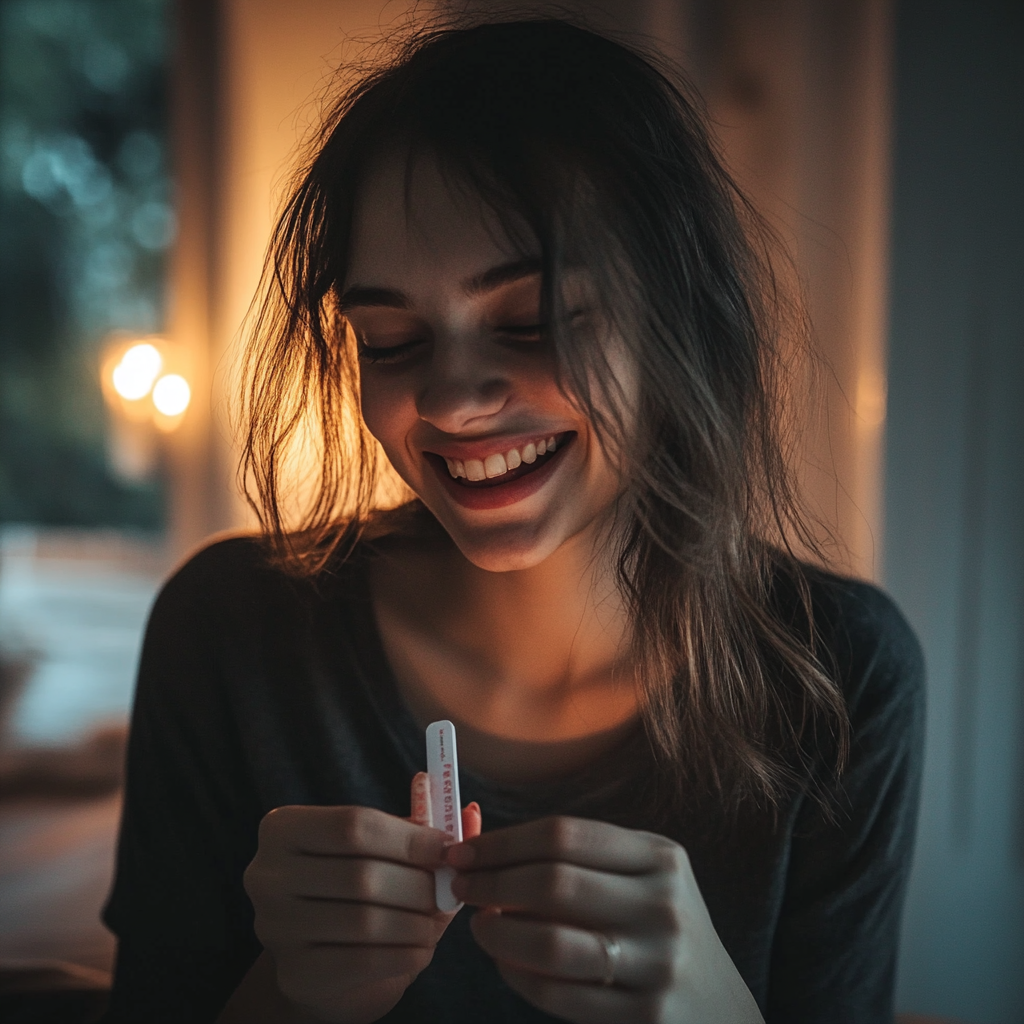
171	394
134	375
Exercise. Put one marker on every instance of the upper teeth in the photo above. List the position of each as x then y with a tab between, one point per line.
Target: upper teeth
500	462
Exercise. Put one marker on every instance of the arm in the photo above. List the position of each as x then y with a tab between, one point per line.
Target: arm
189	822
259	1001
834	952
194	827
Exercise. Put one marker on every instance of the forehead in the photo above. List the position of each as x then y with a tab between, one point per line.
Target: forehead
414	227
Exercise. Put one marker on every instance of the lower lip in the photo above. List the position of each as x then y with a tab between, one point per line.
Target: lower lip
501	495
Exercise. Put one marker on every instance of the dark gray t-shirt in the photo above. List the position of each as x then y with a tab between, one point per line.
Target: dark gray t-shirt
257	690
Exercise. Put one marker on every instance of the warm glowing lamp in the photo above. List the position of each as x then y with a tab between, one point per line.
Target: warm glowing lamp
145	385
171	395
134	375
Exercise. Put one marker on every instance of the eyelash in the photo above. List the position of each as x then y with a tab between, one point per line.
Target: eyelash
388	354
522	330
392	353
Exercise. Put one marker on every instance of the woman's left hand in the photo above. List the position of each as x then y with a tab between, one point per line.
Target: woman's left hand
596	923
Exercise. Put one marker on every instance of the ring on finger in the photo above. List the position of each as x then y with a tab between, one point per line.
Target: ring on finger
612	952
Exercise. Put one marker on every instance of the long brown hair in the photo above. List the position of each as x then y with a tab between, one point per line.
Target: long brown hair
604	158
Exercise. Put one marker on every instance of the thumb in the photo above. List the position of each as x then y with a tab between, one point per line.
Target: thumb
472	821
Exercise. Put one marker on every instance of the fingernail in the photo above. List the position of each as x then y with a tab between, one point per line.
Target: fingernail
460	856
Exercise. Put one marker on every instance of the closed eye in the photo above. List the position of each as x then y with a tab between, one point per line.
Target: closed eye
522	330
386	353
539	330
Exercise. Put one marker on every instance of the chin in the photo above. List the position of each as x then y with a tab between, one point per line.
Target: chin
506	548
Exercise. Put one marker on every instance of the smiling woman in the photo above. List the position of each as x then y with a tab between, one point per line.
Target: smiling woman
457	376
515	267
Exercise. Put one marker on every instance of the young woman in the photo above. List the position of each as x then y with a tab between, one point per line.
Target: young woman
515	262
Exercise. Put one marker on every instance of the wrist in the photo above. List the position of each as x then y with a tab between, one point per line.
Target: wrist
361	1004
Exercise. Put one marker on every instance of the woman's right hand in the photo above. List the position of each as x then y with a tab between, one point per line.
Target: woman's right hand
344	901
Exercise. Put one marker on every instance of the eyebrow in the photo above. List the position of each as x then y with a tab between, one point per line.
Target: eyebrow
504	274
359	296
391	298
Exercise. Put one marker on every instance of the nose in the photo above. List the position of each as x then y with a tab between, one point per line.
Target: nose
462	389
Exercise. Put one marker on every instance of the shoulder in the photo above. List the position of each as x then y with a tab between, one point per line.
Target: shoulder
224	575
230	624
862	640
866	645
212	599
241	566
851	621
229	561
234	586
867	636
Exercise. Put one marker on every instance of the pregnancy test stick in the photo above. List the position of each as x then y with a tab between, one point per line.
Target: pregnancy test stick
445	804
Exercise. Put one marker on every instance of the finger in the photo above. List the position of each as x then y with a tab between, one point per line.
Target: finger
420	800
562	892
571	954
420	813
352	831
591	844
581	1002
555	950
296	922
365	880
472	820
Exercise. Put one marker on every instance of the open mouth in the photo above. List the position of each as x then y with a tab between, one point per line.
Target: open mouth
504	467
501	477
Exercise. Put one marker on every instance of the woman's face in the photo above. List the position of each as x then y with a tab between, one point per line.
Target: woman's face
456	382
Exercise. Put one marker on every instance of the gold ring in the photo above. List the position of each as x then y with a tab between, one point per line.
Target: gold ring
612	952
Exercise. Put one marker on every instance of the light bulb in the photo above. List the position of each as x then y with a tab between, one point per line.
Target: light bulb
134	375
171	394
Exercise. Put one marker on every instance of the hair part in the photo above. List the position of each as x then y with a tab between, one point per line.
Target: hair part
602	156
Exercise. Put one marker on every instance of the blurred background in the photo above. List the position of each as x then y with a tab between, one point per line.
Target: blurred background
144	147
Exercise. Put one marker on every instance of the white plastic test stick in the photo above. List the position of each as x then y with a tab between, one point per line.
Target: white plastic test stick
445	803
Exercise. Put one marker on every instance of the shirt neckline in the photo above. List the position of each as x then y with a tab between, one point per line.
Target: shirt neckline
598	785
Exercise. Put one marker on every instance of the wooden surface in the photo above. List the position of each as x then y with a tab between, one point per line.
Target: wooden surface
56	862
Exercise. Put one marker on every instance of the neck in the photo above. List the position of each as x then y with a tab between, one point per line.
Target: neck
550	625
537	654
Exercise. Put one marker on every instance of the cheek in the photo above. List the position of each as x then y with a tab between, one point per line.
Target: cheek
388	409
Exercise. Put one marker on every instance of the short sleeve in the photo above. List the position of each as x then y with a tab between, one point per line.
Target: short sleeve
835	945
189	823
